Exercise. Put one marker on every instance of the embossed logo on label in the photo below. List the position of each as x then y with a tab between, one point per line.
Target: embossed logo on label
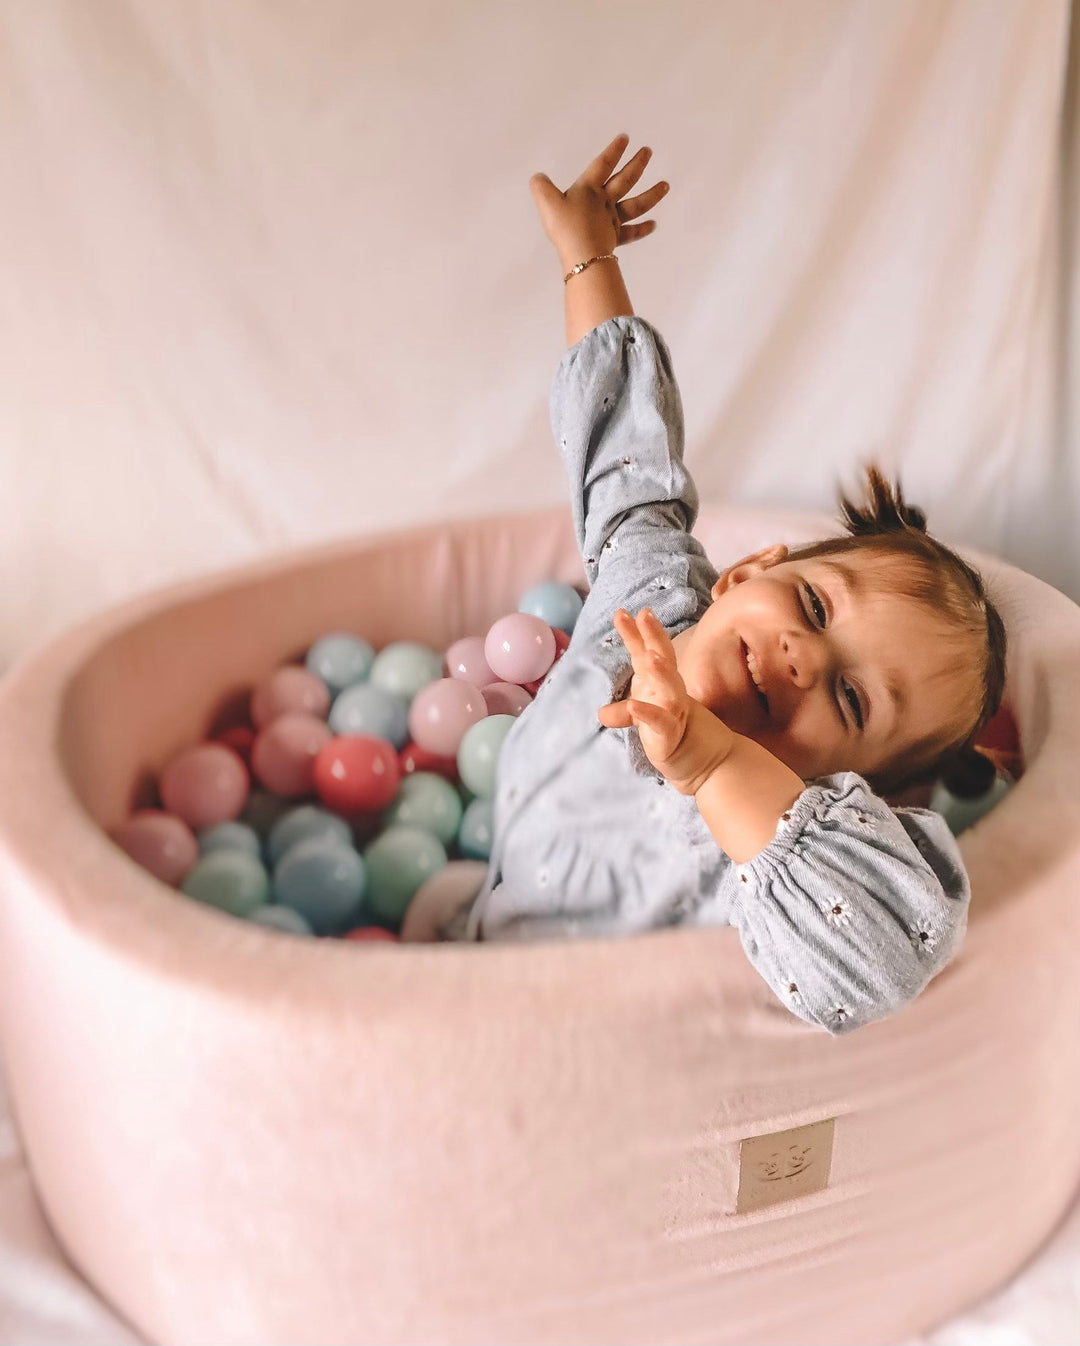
784	1164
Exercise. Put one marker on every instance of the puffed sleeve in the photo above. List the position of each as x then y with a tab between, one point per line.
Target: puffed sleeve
617	418
853	906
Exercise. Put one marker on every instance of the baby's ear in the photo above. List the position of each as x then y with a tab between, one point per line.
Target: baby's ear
749	566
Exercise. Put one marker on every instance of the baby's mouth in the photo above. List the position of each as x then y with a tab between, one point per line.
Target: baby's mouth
762	698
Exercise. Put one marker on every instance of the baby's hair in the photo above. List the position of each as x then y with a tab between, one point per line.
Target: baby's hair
884	528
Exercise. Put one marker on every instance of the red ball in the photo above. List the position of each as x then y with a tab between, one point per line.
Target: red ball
357	773
239	738
414	758
371	932
562	643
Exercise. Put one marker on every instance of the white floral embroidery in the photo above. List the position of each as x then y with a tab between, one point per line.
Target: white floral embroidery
922	938
542	877
629	464
839	912
612	544
840	1013
793	993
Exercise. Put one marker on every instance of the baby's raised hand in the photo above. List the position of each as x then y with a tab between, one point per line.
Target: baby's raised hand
683	740
591	219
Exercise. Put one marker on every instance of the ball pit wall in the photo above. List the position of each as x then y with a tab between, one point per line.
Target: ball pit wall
244	1137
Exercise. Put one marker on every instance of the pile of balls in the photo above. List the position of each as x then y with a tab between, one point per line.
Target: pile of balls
372	772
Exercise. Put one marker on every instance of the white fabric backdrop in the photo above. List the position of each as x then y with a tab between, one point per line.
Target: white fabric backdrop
271	274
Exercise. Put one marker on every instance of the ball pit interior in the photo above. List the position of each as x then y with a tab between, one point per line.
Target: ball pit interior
242	1136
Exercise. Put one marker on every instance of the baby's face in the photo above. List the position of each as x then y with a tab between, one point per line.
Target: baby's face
824	658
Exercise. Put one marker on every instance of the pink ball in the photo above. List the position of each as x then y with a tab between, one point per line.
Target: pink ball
204	785
283	755
505	698
442	711
158	841
290	688
239	738
465	660
519	647
562	644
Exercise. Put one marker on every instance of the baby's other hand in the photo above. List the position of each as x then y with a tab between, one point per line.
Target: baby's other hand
683	739
590	219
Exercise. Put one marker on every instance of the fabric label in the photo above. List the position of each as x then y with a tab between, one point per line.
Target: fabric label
784	1164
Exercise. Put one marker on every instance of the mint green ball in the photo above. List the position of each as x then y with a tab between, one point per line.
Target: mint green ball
397	862
404	667
478	755
428	801
230	880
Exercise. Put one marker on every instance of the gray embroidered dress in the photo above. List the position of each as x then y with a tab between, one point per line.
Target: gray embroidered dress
851	908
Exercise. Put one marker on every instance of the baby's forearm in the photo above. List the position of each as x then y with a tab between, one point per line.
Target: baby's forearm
744	797
593	296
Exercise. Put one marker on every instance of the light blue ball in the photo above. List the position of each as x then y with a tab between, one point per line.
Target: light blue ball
428	801
324	881
363	709
554	603
477	831
340	659
281	918
301	824
398	862
478	754
263	809
404	667
230	880
230	836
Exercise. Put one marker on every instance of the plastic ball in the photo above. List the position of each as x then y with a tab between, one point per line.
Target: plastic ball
204	785
505	698
397	863
413	758
557	604
477	830
363	709
160	842
357	773
280	918
302	824
519	648
263	809
562	644
324	881
440	899
442	712
289	689
230	836
370	934
428	801
465	660
232	881
403	667
283	758
239	738
340	659
478	756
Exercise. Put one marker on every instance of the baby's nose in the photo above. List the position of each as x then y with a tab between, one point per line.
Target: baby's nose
802	660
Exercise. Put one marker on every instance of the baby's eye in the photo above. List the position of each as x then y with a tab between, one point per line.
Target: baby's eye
853	700
817	604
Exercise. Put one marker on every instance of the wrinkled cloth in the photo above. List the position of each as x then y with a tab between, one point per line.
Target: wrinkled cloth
849	910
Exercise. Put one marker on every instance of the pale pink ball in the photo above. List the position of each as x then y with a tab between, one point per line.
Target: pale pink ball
505	698
160	842
442	711
283	754
289	688
519	648
465	660
204	785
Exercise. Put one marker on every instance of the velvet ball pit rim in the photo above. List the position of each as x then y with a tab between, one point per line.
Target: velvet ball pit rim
702	978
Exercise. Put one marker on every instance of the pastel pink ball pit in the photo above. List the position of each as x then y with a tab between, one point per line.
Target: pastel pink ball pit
244	1137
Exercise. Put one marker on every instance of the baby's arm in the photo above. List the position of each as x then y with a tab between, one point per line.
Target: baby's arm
590	220
740	788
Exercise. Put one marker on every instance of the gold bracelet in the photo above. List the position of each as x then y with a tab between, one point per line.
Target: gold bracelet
607	257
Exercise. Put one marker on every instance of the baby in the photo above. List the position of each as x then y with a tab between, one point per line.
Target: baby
713	749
